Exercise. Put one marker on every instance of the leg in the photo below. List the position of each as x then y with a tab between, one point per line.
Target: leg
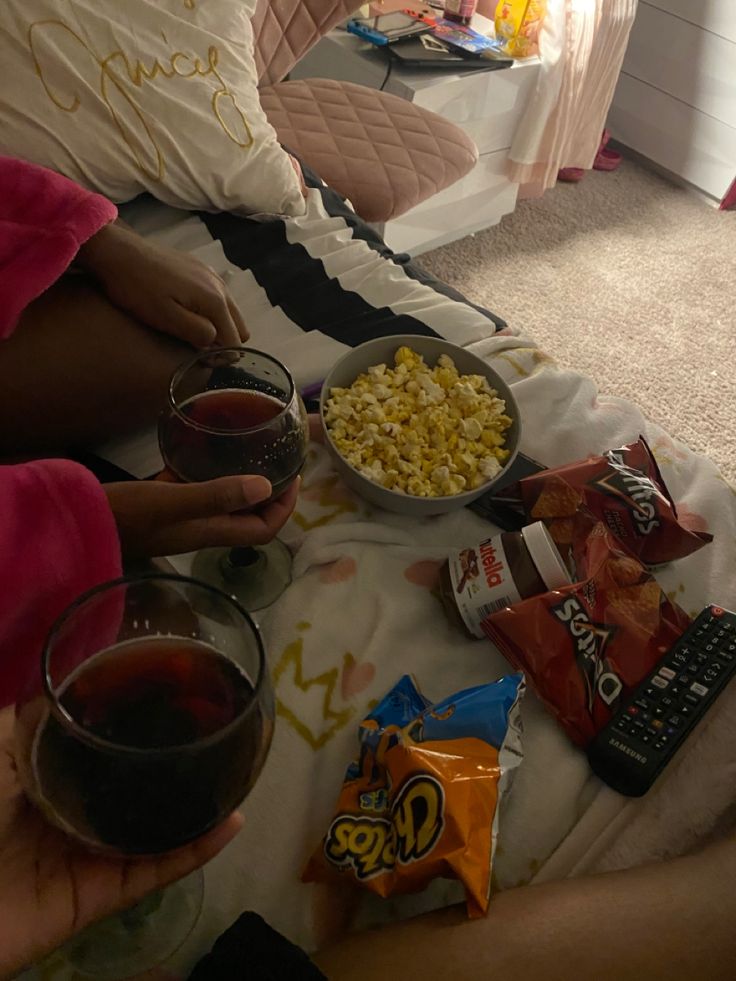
668	922
77	371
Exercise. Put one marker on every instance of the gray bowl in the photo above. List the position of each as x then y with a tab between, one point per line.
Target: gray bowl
382	350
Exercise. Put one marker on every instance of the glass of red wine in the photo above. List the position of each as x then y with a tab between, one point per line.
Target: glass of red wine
237	411
150	724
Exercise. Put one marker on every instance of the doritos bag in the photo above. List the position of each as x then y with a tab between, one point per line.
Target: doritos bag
586	646
624	489
422	799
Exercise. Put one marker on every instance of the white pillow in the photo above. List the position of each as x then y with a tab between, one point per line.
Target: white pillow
126	96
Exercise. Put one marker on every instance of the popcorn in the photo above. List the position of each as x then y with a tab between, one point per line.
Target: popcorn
426	432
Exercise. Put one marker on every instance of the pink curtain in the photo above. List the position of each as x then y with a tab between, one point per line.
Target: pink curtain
582	46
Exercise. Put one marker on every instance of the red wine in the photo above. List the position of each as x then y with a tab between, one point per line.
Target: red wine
184	740
232	409
275	451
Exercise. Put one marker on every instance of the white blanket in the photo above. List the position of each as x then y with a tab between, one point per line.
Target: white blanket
360	612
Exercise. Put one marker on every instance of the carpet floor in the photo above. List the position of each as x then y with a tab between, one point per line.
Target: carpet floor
629	279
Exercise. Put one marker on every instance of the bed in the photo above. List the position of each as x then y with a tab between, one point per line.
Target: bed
310	287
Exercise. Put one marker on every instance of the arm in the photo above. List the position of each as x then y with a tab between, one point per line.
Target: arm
668	922
61	533
44	219
47	220
57	539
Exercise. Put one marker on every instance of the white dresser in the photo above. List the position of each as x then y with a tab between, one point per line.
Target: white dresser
675	102
486	104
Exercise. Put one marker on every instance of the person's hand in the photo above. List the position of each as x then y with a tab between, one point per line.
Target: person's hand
51	887
165	289
160	518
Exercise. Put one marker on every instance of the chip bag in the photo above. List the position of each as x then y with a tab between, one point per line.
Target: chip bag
422	799
586	646
624	489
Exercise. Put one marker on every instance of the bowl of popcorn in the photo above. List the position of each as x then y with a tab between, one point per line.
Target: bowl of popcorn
418	425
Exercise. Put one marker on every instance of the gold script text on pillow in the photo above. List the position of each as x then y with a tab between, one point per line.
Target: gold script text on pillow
119	74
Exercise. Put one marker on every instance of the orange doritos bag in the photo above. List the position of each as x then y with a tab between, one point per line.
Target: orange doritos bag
624	489
422	799
586	646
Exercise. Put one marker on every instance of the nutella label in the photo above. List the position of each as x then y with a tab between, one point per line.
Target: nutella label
481	582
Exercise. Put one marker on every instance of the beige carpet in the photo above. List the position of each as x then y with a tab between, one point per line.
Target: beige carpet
627	278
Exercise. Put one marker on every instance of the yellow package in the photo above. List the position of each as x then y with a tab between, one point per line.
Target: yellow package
422	799
517	25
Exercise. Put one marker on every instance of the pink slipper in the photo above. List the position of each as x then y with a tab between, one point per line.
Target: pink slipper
606	159
570	175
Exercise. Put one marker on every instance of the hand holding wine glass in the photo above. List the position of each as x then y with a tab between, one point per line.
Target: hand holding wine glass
157	518
237	411
148	724
51	887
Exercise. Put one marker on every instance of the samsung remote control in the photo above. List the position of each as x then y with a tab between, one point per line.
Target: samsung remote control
646	730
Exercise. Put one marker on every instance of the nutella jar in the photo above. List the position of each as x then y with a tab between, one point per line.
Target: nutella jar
499	572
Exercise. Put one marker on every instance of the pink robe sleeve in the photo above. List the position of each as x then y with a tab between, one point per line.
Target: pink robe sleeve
57	539
44	219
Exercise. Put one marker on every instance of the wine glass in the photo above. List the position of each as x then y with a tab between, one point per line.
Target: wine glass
237	411
149	725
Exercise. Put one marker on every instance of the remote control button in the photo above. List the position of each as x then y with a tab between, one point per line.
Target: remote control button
651	692
659	712
693	668
686	710
683	679
680	658
637	725
709	648
726	656
671	731
632	710
641	703
691	700
659	682
646	737
661	743
701	658
622	724
675	720
666	673
666	700
675	689
710	675
717	611
698	689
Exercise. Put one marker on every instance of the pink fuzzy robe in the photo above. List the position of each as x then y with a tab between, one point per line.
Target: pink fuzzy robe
57	533
44	219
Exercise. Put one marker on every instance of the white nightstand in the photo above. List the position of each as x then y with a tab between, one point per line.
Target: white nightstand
487	105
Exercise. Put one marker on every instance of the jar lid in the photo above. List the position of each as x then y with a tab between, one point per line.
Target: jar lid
545	556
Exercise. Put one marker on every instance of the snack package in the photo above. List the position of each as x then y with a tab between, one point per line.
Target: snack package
517	25
586	646
422	799
624	489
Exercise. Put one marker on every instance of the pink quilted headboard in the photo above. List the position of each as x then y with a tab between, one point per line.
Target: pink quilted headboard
284	30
